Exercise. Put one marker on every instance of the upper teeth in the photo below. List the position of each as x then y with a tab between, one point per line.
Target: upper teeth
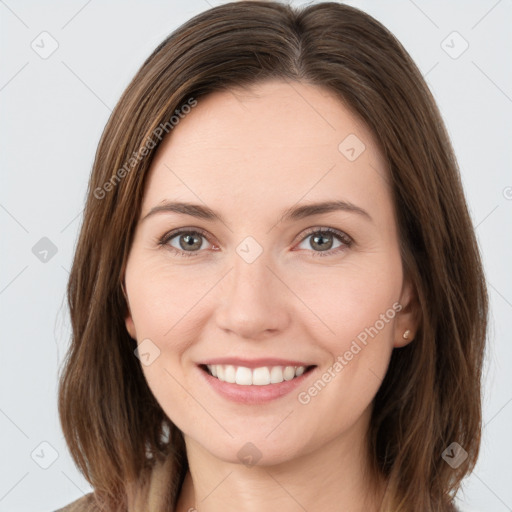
256	376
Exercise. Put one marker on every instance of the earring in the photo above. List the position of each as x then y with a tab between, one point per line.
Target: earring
405	335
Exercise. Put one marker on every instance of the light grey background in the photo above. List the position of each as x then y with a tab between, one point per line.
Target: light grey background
53	111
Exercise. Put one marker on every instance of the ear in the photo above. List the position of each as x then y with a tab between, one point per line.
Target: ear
408	318
128	320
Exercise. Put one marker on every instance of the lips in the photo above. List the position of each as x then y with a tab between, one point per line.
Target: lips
253	385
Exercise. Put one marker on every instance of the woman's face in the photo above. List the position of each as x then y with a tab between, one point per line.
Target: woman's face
250	287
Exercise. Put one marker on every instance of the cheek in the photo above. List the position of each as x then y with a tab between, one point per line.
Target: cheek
352	300
162	296
357	306
161	305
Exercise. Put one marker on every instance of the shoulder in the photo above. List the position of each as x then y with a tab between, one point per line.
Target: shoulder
86	503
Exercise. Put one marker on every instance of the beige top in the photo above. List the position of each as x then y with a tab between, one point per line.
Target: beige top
84	504
158	483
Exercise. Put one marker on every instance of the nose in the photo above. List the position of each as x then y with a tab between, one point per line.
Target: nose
254	302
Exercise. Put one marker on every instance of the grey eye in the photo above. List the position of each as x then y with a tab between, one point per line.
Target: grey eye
188	241
320	241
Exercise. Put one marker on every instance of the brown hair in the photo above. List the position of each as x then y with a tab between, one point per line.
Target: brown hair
430	396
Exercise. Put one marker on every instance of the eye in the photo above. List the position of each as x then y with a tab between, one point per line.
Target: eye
187	242
323	239
190	242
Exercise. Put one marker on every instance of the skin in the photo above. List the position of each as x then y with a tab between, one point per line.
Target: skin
249	155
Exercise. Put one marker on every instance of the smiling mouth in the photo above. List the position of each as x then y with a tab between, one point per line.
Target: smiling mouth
263	376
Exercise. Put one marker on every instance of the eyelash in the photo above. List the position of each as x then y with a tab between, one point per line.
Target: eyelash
342	237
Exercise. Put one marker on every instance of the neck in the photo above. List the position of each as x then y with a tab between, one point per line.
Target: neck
335	477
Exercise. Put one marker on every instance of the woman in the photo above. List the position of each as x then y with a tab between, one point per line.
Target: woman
277	298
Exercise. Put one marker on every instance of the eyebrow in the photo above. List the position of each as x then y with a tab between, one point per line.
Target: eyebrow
290	214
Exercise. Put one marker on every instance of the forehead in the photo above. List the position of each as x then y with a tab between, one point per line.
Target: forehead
270	141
